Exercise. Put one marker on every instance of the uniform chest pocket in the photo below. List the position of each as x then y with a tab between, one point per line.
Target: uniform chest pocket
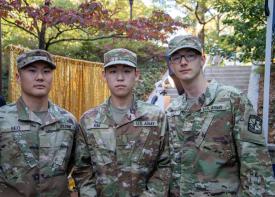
203	128
214	117
189	128
16	157
102	143
55	147
133	145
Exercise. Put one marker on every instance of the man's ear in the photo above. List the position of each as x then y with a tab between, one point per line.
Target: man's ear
137	74
103	73
203	59
18	78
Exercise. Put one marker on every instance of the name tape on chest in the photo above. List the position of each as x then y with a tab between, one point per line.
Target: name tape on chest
145	123
66	126
98	125
15	128
214	108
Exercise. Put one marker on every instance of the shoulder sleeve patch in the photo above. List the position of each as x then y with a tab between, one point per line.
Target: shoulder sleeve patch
254	124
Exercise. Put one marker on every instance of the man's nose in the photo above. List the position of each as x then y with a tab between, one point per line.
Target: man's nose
120	76
39	75
183	60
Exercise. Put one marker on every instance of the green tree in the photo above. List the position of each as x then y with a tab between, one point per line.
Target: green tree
249	23
199	16
199	12
231	28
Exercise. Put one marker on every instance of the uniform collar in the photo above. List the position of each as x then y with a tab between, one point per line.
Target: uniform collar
205	99
25	114
210	92
132	114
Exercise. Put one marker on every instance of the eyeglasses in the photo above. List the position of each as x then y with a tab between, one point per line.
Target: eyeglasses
176	59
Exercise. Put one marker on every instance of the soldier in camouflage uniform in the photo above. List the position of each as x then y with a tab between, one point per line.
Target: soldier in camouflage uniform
216	141
39	141
127	138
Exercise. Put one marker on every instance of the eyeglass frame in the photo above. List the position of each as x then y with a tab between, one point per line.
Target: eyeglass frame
186	57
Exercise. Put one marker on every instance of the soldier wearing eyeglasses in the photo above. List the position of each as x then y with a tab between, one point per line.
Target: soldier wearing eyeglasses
216	140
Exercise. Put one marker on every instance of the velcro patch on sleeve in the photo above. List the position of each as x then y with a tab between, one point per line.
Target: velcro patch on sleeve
254	124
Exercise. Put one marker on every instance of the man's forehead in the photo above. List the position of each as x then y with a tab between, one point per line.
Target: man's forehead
119	66
185	50
38	64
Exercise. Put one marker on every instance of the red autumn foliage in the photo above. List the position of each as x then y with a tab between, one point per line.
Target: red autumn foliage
89	17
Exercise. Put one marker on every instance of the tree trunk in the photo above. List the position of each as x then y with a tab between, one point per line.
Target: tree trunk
201	35
42	32
202	10
42	44
131	9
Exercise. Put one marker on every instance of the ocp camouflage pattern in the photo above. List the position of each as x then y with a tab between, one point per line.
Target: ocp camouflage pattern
120	56
217	146
32	56
35	158
184	41
130	158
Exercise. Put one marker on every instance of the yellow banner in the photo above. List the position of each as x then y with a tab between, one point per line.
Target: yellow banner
77	84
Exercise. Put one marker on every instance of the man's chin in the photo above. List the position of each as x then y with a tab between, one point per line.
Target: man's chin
39	94
121	94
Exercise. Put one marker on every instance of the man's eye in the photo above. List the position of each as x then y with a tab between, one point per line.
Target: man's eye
32	70
127	71
176	58
47	71
112	71
190	55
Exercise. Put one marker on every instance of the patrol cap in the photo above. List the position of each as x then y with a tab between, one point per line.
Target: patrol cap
120	56
182	42
33	56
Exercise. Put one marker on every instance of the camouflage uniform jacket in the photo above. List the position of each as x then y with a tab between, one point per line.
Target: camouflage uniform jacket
217	146
35	157
131	158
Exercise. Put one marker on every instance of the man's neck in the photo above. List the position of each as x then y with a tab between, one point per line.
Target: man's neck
121	102
196	87
36	104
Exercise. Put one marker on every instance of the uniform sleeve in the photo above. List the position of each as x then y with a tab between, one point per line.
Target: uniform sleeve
82	172
254	160
158	184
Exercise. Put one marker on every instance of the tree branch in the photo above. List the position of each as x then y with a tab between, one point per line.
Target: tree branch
27	4
60	32
213	17
197	15
89	33
20	27
86	39
185	6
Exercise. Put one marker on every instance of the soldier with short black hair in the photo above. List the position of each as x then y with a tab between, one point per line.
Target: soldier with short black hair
216	140
127	138
39	141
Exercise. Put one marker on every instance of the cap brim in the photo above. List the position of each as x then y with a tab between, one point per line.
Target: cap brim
48	62
120	62
183	47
